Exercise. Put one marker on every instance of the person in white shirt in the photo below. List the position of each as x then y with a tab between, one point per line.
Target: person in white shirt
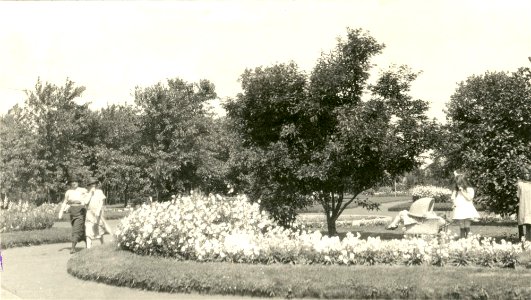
75	205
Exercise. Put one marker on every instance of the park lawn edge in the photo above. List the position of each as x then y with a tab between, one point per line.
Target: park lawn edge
109	265
35	237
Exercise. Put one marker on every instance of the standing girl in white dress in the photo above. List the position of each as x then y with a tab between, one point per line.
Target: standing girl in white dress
464	210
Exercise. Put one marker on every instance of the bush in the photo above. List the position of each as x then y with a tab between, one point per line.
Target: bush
215	229
439	194
22	216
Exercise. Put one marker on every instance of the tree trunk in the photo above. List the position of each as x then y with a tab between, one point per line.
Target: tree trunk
331	224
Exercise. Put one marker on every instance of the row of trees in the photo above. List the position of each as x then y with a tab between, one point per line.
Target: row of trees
163	144
289	139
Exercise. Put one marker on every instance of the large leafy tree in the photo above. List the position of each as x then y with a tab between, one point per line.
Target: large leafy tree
175	127
488	134
55	131
315	138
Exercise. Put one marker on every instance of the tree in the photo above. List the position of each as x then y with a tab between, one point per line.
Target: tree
18	163
488	134
314	138
114	158
175	126
57	124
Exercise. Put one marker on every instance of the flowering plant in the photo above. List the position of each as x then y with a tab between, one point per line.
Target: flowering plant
19	216
439	194
218	229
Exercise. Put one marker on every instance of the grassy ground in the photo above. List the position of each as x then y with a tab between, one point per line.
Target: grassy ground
318	208
109	265
446	206
35	237
110	214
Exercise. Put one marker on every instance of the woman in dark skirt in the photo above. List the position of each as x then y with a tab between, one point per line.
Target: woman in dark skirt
74	204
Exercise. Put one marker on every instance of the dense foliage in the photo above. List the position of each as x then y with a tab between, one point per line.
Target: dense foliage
314	138
489	135
166	143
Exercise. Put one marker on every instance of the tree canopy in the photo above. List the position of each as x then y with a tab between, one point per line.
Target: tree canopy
488	134
315	138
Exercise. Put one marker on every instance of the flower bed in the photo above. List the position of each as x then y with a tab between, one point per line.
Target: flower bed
19	216
439	194
216	229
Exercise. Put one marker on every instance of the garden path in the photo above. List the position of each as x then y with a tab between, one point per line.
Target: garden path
39	272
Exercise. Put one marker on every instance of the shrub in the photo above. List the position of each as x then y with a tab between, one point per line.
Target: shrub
216	229
22	216
439	194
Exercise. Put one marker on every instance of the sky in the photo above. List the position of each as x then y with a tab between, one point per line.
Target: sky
113	47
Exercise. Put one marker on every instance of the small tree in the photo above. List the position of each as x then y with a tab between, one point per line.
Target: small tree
488	134
313	138
57	128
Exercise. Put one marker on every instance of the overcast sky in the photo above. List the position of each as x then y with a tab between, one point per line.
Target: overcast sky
111	47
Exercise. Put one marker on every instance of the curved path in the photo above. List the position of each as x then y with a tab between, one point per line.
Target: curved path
39	272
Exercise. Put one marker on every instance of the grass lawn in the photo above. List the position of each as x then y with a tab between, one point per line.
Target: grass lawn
445	206
122	268
318	208
110	214
35	237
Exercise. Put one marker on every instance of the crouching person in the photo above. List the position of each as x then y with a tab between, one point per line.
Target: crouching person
419	211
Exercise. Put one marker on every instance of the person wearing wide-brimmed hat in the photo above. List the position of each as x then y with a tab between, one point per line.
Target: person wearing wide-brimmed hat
95	224
75	205
419	211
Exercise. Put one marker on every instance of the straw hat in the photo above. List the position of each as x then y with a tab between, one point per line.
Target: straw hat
420	207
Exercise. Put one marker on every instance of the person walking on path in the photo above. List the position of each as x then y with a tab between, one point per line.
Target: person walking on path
75	205
524	204
95	224
464	211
